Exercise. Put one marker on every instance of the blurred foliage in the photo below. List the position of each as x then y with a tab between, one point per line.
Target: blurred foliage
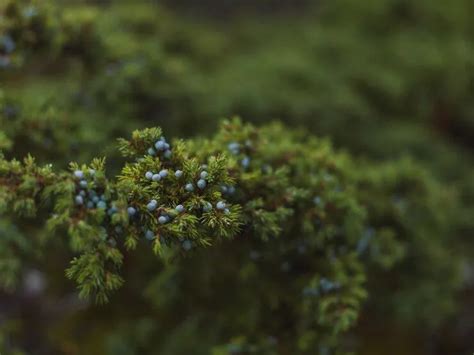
384	80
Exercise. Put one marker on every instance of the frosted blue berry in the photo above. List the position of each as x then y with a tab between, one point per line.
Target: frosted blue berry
83	184
95	199
103	198
151	151
149	175
178	173
254	255
162	219
317	200
4	62
301	248
221	205
79	200
112	210
168	154
160	145
30	11
285	267
167	146
8	43
102	205
79	174
189	187
207	207
224	189
82	193
150	235
204	175
227	211
90	204
180	208
131	211
187	245
163	173
245	162
201	184
156	177
231	190
151	206
234	147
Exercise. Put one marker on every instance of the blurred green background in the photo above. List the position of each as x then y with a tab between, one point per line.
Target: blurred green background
382	79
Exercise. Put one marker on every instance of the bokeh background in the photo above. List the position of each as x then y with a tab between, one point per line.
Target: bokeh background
382	79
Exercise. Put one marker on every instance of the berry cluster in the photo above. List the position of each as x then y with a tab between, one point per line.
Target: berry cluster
88	195
149	175
7	46
325	286
237	148
161	147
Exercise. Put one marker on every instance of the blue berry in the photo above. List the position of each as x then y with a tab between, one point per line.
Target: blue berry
30	11
149	235
234	147
201	184
285	267
102	205
231	190
112	210
156	177
79	200
95	199
79	174
227	211
167	146
187	245
4	62
83	184
207	207
149	175
151	151
151	206
221	205
189	187
90	204
163	173
301	248
82	193
204	175
224	189
168	154
160	145
163	219
317	200
103	198
245	162
131	211
180	208
8	44
178	173
254	255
